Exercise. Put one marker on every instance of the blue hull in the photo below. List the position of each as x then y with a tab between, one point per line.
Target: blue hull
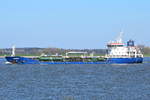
24	60
125	60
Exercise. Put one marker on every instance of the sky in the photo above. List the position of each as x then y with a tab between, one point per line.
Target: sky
74	24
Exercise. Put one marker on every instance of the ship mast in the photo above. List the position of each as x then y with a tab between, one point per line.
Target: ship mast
119	39
13	50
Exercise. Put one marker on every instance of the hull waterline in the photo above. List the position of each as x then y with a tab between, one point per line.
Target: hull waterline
24	60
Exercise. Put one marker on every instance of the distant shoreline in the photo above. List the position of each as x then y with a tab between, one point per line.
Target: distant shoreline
38	56
22	56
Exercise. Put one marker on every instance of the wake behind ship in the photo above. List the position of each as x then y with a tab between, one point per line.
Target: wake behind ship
117	53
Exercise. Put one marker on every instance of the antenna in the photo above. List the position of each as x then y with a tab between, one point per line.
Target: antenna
13	50
119	39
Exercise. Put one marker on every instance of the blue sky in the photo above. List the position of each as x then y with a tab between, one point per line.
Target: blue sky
72	23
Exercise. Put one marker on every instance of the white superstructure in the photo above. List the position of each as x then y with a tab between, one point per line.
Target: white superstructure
117	49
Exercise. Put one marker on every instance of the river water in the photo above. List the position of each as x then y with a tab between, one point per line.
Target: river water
75	82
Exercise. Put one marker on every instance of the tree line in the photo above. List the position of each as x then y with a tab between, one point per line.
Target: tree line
51	51
48	51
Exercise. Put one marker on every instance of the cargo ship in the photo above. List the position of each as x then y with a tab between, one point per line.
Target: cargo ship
117	53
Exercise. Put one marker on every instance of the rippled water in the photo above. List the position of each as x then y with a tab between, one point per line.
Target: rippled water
75	82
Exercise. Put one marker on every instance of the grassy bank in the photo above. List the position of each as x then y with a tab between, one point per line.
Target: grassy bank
146	55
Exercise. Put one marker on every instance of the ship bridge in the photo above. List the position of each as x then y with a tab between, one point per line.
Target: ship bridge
115	44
